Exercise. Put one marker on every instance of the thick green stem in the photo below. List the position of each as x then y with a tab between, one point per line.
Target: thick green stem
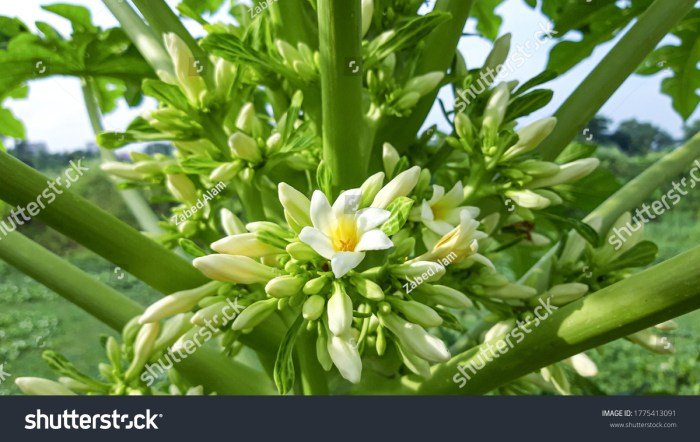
95	229
611	72
437	55
132	198
143	37
345	148
204	367
655	295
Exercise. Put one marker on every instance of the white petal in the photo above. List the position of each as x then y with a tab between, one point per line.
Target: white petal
347	203
426	212
343	262
339	310
318	241
374	240
369	218
346	358
455	196
321	215
438	192
439	227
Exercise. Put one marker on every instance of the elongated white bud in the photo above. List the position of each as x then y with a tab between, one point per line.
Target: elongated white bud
390	157
285	286
254	314
367	12
247	121
231	223
313	307
496	108
346	358
296	206
568	173
339	311
583	365
499	329
244	147
528	199
42	387
530	137
182	188
245	244
210	313
417	313
443	295
424	84
401	185
420	271
238	269
415	339
565	293
464	127
226	172
288	52
370	188
653	342
187	69
667	326
178	302
123	170
143	348
498	55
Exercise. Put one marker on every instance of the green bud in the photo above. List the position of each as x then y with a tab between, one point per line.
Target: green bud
301	251
528	199
143	348
538	168
408	101
248	122
390	157
123	170
498	55
178	302
464	127
313	307
419	271
369	289
568	173
496	108
417	313
565	293
296	206
316	285
551	196
226	172
182	188
254	314
339	310
381	341
367	8
443	295
245	147
415	339
530	137
424	84
370	188
284	286
114	353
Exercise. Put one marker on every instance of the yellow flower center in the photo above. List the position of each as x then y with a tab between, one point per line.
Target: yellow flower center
345	235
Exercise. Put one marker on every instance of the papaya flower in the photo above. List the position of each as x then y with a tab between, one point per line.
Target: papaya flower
343	234
441	213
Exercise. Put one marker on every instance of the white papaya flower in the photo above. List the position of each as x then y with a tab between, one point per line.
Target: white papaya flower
345	357
343	234
245	244
460	243
237	269
442	212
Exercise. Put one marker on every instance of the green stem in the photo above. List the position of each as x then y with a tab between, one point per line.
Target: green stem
611	72
292	22
313	378
143	37
437	55
660	293
96	229
132	198
205	367
345	150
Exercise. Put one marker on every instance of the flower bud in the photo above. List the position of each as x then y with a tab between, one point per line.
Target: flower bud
408	101
296	206
226	172
367	9
583	365
339	311
172	330
443	295
231	223
390	157
42	387
530	137
565	293
424	84
186	68
367	288
417	313
528	199
496	108
346	358
248	122
401	185
316	285
313	307
553	197
182	188
237	269
499	329
178	302
244	147
415	339
245	244
254	314
511	291
143	348
498	55
123	170
568	173
652	342
301	251
369	189
284	286
464	127
538	168
209	313
667	326
420	271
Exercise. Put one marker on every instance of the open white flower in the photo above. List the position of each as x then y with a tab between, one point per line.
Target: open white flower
441	213
342	233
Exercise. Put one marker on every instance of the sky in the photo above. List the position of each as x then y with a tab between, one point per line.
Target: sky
54	112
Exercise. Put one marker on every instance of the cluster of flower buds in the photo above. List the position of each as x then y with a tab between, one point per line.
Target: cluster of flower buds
301	60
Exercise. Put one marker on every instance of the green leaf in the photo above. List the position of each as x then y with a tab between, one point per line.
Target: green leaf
283	372
642	254
292	115
10	125
488	22
528	103
541	78
324	179
576	151
583	229
79	16
399	208
191	248
166	93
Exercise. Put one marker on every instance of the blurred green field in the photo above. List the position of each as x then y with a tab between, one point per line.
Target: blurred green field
33	319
